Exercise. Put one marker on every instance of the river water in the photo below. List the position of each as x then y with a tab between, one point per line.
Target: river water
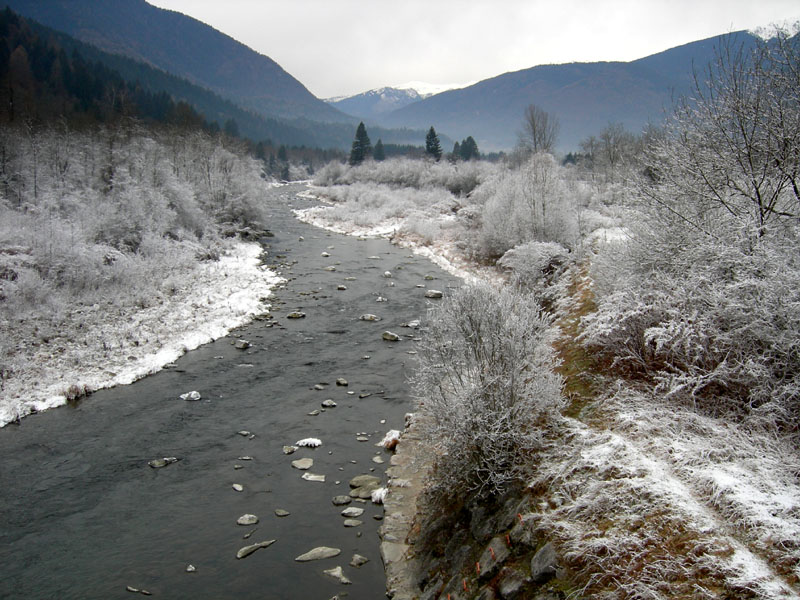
84	516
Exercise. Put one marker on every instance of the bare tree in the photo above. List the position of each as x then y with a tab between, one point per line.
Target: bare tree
539	130
734	148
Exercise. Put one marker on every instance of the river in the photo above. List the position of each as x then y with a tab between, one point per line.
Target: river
84	516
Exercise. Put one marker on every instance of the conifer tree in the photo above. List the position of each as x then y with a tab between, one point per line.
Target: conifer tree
469	149
362	148
456	155
432	146
379	153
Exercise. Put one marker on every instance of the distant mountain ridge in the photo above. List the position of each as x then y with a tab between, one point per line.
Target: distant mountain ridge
376	103
185	47
584	96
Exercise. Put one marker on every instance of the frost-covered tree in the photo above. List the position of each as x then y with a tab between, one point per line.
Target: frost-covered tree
702	302
539	130
362	147
433	147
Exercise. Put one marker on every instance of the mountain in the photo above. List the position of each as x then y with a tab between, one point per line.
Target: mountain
584	96
185	47
376	103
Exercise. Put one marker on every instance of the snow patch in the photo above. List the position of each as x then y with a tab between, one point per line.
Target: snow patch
217	297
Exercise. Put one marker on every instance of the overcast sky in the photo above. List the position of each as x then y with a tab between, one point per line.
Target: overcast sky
343	47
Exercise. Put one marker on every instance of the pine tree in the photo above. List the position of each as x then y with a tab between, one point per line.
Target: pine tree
379	153
432	146
469	149
456	155
362	148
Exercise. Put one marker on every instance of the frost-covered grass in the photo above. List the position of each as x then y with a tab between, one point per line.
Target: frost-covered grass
115	255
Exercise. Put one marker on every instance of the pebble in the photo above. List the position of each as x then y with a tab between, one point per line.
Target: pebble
303	463
318	553
314	412
247	519
248	550
358	560
279	512
338	574
158	463
238	487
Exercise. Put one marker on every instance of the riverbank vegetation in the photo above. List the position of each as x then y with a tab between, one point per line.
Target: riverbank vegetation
667	265
102	222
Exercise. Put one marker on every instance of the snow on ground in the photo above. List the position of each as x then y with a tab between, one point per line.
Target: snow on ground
651	496
100	348
441	251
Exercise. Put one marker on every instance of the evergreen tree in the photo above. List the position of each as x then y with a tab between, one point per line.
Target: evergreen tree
469	149
379	153
456	155
432	146
362	148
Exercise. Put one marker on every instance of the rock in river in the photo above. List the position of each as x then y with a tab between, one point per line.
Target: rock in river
192	396
247	520
390	337
318	553
358	560
296	315
352	512
433	294
158	463
341	500
364	480
313	477
303	463
248	550
337	574
369	317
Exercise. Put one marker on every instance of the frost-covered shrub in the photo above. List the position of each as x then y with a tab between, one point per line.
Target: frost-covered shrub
458	179
714	324
536	202
535	265
487	389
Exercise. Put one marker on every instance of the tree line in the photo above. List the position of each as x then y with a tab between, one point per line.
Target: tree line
362	148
